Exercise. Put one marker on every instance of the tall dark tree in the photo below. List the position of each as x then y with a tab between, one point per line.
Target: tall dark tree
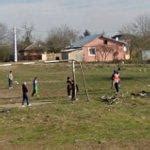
86	33
5	52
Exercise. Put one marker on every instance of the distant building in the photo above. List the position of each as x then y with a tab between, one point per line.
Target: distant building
119	37
32	52
96	48
37	51
146	55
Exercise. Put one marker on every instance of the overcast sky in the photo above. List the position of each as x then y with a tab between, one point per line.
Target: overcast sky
94	15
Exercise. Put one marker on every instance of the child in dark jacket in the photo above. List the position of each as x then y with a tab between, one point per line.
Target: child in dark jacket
25	95
75	90
69	87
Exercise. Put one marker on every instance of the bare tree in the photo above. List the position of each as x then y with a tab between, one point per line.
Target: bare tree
25	36
3	32
137	34
102	52
28	29
139	27
60	37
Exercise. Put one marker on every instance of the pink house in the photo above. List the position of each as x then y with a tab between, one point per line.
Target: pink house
96	48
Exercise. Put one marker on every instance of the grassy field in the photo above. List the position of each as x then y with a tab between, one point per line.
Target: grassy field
67	125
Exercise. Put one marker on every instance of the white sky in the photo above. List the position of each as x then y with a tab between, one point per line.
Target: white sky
94	15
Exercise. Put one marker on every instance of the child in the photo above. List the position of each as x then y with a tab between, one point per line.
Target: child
69	87
35	86
116	81
10	80
75	89
112	79
25	95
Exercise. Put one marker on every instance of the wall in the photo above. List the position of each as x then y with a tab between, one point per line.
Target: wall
54	56
76	55
97	42
44	56
64	55
31	55
146	55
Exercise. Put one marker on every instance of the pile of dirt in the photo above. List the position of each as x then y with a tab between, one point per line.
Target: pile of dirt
4	110
141	94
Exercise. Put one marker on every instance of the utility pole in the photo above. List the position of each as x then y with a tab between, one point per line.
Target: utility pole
15	46
74	78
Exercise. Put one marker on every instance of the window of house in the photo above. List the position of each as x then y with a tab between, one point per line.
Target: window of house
57	58
125	48
92	51
105	42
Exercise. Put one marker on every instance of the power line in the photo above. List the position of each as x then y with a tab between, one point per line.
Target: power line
37	31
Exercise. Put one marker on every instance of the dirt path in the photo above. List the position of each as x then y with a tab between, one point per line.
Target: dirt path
18	105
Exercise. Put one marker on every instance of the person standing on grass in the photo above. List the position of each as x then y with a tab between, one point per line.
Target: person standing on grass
35	86
69	87
25	95
116	81
112	79
10	80
74	89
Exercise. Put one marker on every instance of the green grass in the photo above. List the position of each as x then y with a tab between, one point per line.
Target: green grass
80	124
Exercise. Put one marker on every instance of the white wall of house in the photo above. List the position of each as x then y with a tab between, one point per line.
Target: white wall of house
44	56
76	55
146	55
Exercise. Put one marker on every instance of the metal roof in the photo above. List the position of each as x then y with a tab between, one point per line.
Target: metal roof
80	43
85	40
32	46
113	40
69	50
